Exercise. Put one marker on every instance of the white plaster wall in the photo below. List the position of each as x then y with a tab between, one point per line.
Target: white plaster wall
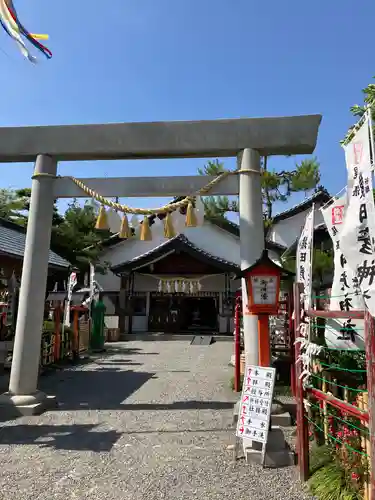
111	321
287	231
208	237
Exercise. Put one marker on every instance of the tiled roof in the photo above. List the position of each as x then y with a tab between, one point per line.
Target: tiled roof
320	196
225	224
12	242
179	242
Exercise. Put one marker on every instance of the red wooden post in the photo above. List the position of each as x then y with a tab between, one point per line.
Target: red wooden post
264	340
292	339
57	320
302	427
237	346
370	363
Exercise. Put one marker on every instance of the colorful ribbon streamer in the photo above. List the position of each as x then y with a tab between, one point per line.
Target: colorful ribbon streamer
13	27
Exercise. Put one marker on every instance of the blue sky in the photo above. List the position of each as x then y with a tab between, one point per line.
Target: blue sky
147	60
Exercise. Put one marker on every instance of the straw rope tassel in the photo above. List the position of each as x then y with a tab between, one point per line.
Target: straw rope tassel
125	231
101	221
191	217
169	231
146	234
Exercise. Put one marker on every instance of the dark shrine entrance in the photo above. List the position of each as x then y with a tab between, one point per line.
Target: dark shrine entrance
174	313
187	289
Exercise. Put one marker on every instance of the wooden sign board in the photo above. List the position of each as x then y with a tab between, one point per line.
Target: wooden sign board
256	405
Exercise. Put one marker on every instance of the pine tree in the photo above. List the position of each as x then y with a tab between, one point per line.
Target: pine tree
276	186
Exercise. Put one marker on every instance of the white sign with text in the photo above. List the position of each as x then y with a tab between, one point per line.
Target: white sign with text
256	403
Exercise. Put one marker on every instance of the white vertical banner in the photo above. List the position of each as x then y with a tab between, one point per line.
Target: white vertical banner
304	257
71	285
345	294
358	230
372	141
357	152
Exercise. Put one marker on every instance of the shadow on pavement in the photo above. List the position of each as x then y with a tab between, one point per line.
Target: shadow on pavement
181	431
179	405
107	388
128	351
101	389
125	362
60	437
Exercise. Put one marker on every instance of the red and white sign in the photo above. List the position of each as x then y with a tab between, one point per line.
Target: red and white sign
256	402
338	214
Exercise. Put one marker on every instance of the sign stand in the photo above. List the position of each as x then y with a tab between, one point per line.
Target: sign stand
254	416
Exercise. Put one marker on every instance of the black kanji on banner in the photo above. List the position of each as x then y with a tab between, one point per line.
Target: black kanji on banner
366	273
344	280
346	303
364	238
362	212
343	261
302	273
304	243
348	331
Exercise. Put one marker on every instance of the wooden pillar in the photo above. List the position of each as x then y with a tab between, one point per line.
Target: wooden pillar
57	321
122	304
75	348
130	302
302	427
370	363
292	339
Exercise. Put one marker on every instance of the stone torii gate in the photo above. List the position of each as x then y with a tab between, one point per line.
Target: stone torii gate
248	139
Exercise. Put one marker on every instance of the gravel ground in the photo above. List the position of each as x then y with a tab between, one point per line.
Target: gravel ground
147	420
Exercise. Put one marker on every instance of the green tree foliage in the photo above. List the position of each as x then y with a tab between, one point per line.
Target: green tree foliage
24	195
322	266
11	205
359	111
276	186
73	236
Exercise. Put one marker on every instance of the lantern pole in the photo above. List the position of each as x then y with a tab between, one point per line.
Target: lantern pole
251	240
264	340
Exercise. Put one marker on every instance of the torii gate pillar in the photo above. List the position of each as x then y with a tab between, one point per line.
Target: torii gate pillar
251	240
23	397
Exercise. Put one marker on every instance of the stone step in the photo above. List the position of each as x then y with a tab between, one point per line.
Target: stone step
278	452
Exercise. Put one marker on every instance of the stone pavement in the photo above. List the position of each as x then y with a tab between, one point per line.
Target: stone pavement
147	420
